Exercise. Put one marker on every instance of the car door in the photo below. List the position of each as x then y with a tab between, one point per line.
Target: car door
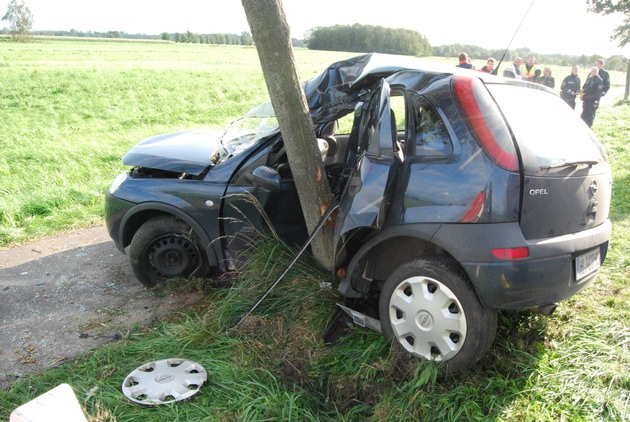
369	190
250	206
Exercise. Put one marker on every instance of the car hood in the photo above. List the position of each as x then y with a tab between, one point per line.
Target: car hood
182	152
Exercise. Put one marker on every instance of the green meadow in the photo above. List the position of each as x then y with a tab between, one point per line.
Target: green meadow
70	109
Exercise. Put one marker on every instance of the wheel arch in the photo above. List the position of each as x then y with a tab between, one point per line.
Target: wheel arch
144	212
377	258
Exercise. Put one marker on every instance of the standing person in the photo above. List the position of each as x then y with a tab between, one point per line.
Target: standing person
593	89
513	70
464	61
489	67
599	63
537	77
528	70
570	87
547	80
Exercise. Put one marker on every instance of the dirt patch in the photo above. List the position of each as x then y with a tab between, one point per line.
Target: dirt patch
63	296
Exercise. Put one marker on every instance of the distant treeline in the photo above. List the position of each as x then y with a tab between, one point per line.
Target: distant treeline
360	38
364	38
245	38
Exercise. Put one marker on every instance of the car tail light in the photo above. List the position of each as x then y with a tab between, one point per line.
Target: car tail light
519	252
483	118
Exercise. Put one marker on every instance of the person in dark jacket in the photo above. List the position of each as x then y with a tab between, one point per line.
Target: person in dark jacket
599	63
593	89
547	80
464	61
570	87
489	67
537	77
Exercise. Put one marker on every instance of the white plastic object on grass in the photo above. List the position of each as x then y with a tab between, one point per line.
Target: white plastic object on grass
164	381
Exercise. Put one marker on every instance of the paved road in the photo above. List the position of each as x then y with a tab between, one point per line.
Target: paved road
62	296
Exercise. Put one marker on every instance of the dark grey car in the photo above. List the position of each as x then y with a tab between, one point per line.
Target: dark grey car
454	202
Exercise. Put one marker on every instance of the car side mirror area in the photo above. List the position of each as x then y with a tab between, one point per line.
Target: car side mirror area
266	178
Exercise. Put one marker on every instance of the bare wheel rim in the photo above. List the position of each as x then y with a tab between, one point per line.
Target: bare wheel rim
427	319
164	381
173	255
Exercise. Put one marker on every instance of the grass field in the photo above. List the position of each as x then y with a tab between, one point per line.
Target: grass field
70	109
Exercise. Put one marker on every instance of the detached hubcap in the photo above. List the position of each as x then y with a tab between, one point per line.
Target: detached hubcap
427	318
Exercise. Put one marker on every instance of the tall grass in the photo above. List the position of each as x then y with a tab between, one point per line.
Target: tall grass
572	366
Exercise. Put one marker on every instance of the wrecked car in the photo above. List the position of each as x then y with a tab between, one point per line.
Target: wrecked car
454	204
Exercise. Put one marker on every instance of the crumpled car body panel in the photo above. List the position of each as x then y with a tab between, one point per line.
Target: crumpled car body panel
181	152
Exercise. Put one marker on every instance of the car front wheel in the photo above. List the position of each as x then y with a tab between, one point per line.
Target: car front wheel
428	306
163	248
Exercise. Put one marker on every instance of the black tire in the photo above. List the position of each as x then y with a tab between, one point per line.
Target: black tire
163	248
429	307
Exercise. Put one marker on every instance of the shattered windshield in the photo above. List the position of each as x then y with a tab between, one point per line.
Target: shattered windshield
242	133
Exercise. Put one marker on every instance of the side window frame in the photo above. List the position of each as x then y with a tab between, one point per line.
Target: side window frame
422	108
400	108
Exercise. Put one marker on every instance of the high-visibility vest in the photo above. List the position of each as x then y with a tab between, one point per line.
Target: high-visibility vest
525	74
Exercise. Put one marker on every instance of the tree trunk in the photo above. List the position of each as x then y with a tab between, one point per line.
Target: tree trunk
271	35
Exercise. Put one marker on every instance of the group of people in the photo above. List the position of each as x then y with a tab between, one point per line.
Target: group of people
529	72
596	85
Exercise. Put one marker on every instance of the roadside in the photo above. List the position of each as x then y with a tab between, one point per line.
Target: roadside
63	296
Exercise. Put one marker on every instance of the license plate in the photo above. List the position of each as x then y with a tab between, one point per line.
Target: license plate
587	263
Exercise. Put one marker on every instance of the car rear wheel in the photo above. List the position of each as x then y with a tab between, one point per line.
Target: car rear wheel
163	248
430	309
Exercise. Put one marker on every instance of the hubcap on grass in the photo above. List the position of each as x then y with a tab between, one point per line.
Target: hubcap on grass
164	381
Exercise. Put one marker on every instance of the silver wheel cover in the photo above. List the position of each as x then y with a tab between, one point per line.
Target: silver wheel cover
427	318
164	381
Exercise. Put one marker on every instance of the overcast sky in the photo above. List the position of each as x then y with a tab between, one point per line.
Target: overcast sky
550	26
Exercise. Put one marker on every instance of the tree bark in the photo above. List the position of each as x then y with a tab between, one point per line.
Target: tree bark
273	42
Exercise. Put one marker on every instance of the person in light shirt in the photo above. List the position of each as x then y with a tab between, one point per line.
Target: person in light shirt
513	70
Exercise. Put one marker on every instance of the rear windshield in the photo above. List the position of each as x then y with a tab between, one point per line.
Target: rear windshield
548	132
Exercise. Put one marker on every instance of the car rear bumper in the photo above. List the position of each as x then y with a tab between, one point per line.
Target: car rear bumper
547	276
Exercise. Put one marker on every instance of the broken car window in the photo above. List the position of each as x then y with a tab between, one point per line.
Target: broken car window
432	138
242	133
